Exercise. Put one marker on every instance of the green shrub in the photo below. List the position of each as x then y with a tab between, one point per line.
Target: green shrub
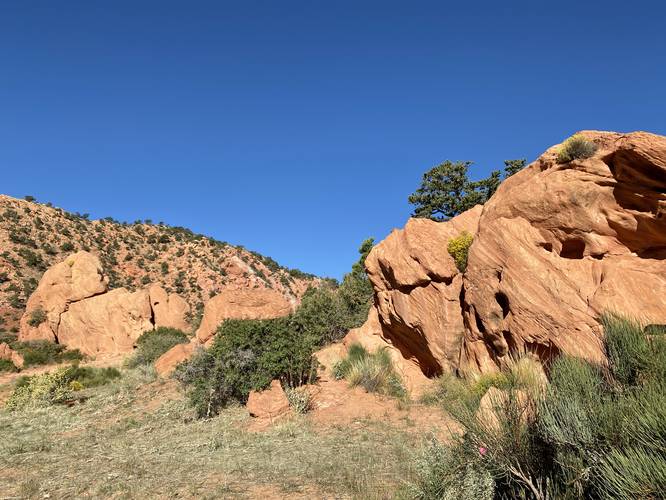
575	147
37	317
153	343
632	473
7	366
67	246
458	248
444	472
89	376
43	352
56	387
628	350
372	371
593	432
247	355
41	390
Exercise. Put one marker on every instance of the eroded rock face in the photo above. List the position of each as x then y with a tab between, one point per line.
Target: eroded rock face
169	309
78	277
559	244
82	314
555	247
417	291
258	303
269	403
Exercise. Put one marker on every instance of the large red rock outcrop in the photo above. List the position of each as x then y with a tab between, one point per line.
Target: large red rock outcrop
107	323
169	309
559	244
555	247
78	311
257	303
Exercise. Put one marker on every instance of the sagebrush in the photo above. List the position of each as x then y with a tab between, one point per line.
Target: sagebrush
592	432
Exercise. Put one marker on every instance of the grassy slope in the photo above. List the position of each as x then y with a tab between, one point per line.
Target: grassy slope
135	438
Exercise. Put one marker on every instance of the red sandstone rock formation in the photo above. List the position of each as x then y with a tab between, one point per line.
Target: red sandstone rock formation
81	313
555	247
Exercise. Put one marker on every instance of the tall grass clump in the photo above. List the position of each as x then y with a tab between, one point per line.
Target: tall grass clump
153	343
592	432
372	371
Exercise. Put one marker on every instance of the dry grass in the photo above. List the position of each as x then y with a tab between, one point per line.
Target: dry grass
129	440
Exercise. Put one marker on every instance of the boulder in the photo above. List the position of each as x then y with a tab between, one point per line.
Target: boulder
107	323
10	354
167	362
560	244
78	277
255	303
169	309
269	403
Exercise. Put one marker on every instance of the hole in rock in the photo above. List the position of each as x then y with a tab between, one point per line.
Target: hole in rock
503	302
573	248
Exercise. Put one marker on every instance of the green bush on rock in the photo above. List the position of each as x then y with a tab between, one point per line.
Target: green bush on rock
458	248
575	147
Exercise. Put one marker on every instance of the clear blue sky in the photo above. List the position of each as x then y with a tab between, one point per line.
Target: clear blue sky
298	129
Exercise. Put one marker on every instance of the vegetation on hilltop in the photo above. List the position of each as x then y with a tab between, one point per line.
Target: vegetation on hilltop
34	236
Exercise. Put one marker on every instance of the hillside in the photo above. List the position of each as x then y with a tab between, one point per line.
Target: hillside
34	236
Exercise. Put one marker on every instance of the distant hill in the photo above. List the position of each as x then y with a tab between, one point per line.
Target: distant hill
34	236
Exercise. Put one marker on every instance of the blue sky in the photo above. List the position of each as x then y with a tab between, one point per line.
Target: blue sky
298	129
